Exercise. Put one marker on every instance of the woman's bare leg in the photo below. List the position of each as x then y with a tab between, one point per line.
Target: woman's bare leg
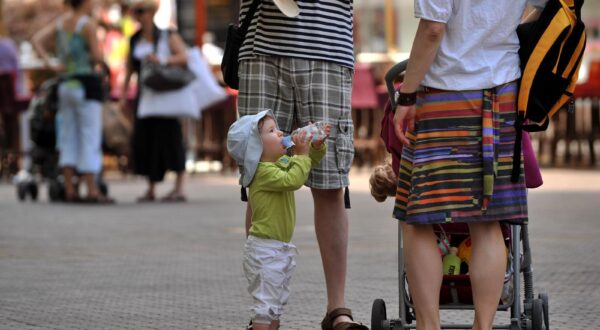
424	272
487	268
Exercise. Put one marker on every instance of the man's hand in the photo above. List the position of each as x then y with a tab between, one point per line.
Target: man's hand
319	143
404	118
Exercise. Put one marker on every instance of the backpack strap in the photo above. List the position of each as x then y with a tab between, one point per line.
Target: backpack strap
516	169
248	18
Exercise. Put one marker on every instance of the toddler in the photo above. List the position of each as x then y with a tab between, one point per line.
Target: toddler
255	142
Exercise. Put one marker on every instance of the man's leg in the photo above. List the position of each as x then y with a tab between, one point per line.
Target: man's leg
331	227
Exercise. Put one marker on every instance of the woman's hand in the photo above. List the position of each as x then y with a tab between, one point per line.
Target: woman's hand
152	58
404	119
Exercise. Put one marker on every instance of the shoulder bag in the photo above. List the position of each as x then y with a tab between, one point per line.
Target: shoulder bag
235	37
162	78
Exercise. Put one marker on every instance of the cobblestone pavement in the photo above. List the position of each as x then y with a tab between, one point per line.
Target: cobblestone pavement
178	266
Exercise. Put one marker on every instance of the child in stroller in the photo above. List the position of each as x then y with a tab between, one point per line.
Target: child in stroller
455	292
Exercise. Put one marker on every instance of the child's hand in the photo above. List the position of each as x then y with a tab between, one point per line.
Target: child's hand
301	145
319	143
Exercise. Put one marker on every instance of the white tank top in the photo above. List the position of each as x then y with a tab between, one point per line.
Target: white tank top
144	47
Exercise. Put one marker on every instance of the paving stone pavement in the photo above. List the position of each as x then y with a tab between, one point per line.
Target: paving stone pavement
178	266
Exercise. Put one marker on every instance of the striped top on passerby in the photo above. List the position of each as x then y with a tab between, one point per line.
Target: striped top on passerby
322	31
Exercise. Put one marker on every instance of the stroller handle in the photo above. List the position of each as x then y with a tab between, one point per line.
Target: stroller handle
390	76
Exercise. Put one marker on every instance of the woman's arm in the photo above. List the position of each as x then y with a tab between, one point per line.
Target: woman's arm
125	87
425	46
40	39
90	32
178	50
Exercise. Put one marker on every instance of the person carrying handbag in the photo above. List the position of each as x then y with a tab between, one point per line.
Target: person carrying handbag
157	142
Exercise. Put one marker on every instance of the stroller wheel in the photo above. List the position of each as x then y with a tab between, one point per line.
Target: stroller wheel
545	307
33	191
378	315
21	191
537	315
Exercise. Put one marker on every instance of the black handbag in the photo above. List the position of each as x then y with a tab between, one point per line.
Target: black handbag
235	37
162	78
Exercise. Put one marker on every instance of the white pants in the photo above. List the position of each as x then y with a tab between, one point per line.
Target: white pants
268	266
79	129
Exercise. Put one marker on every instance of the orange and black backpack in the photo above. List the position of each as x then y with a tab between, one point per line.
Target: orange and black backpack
551	52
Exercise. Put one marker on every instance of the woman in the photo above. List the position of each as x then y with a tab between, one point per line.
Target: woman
458	104
157	143
79	118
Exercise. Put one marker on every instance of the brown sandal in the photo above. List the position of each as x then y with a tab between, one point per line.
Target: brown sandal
327	323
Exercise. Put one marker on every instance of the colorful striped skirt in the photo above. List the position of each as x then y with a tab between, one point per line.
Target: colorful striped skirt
461	154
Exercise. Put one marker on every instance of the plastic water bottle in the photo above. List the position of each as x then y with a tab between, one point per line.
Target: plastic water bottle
451	262
314	131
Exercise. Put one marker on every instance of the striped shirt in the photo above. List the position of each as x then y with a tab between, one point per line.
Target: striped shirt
322	31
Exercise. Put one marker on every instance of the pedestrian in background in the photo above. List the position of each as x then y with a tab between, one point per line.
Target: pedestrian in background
157	142
79	117
458	101
302	67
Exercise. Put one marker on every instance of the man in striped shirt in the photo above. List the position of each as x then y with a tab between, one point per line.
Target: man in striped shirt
301	67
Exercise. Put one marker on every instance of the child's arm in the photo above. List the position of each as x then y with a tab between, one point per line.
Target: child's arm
275	178
318	148
317	154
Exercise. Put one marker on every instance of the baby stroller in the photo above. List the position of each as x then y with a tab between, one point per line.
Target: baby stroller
41	163
529	313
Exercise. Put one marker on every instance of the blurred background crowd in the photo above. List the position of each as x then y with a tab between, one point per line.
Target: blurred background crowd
382	35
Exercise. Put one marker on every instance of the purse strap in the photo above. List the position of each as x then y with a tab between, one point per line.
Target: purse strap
249	15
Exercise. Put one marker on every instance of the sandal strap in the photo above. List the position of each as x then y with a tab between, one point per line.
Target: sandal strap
334	314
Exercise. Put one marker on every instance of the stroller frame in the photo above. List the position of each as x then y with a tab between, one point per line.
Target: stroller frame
532	314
